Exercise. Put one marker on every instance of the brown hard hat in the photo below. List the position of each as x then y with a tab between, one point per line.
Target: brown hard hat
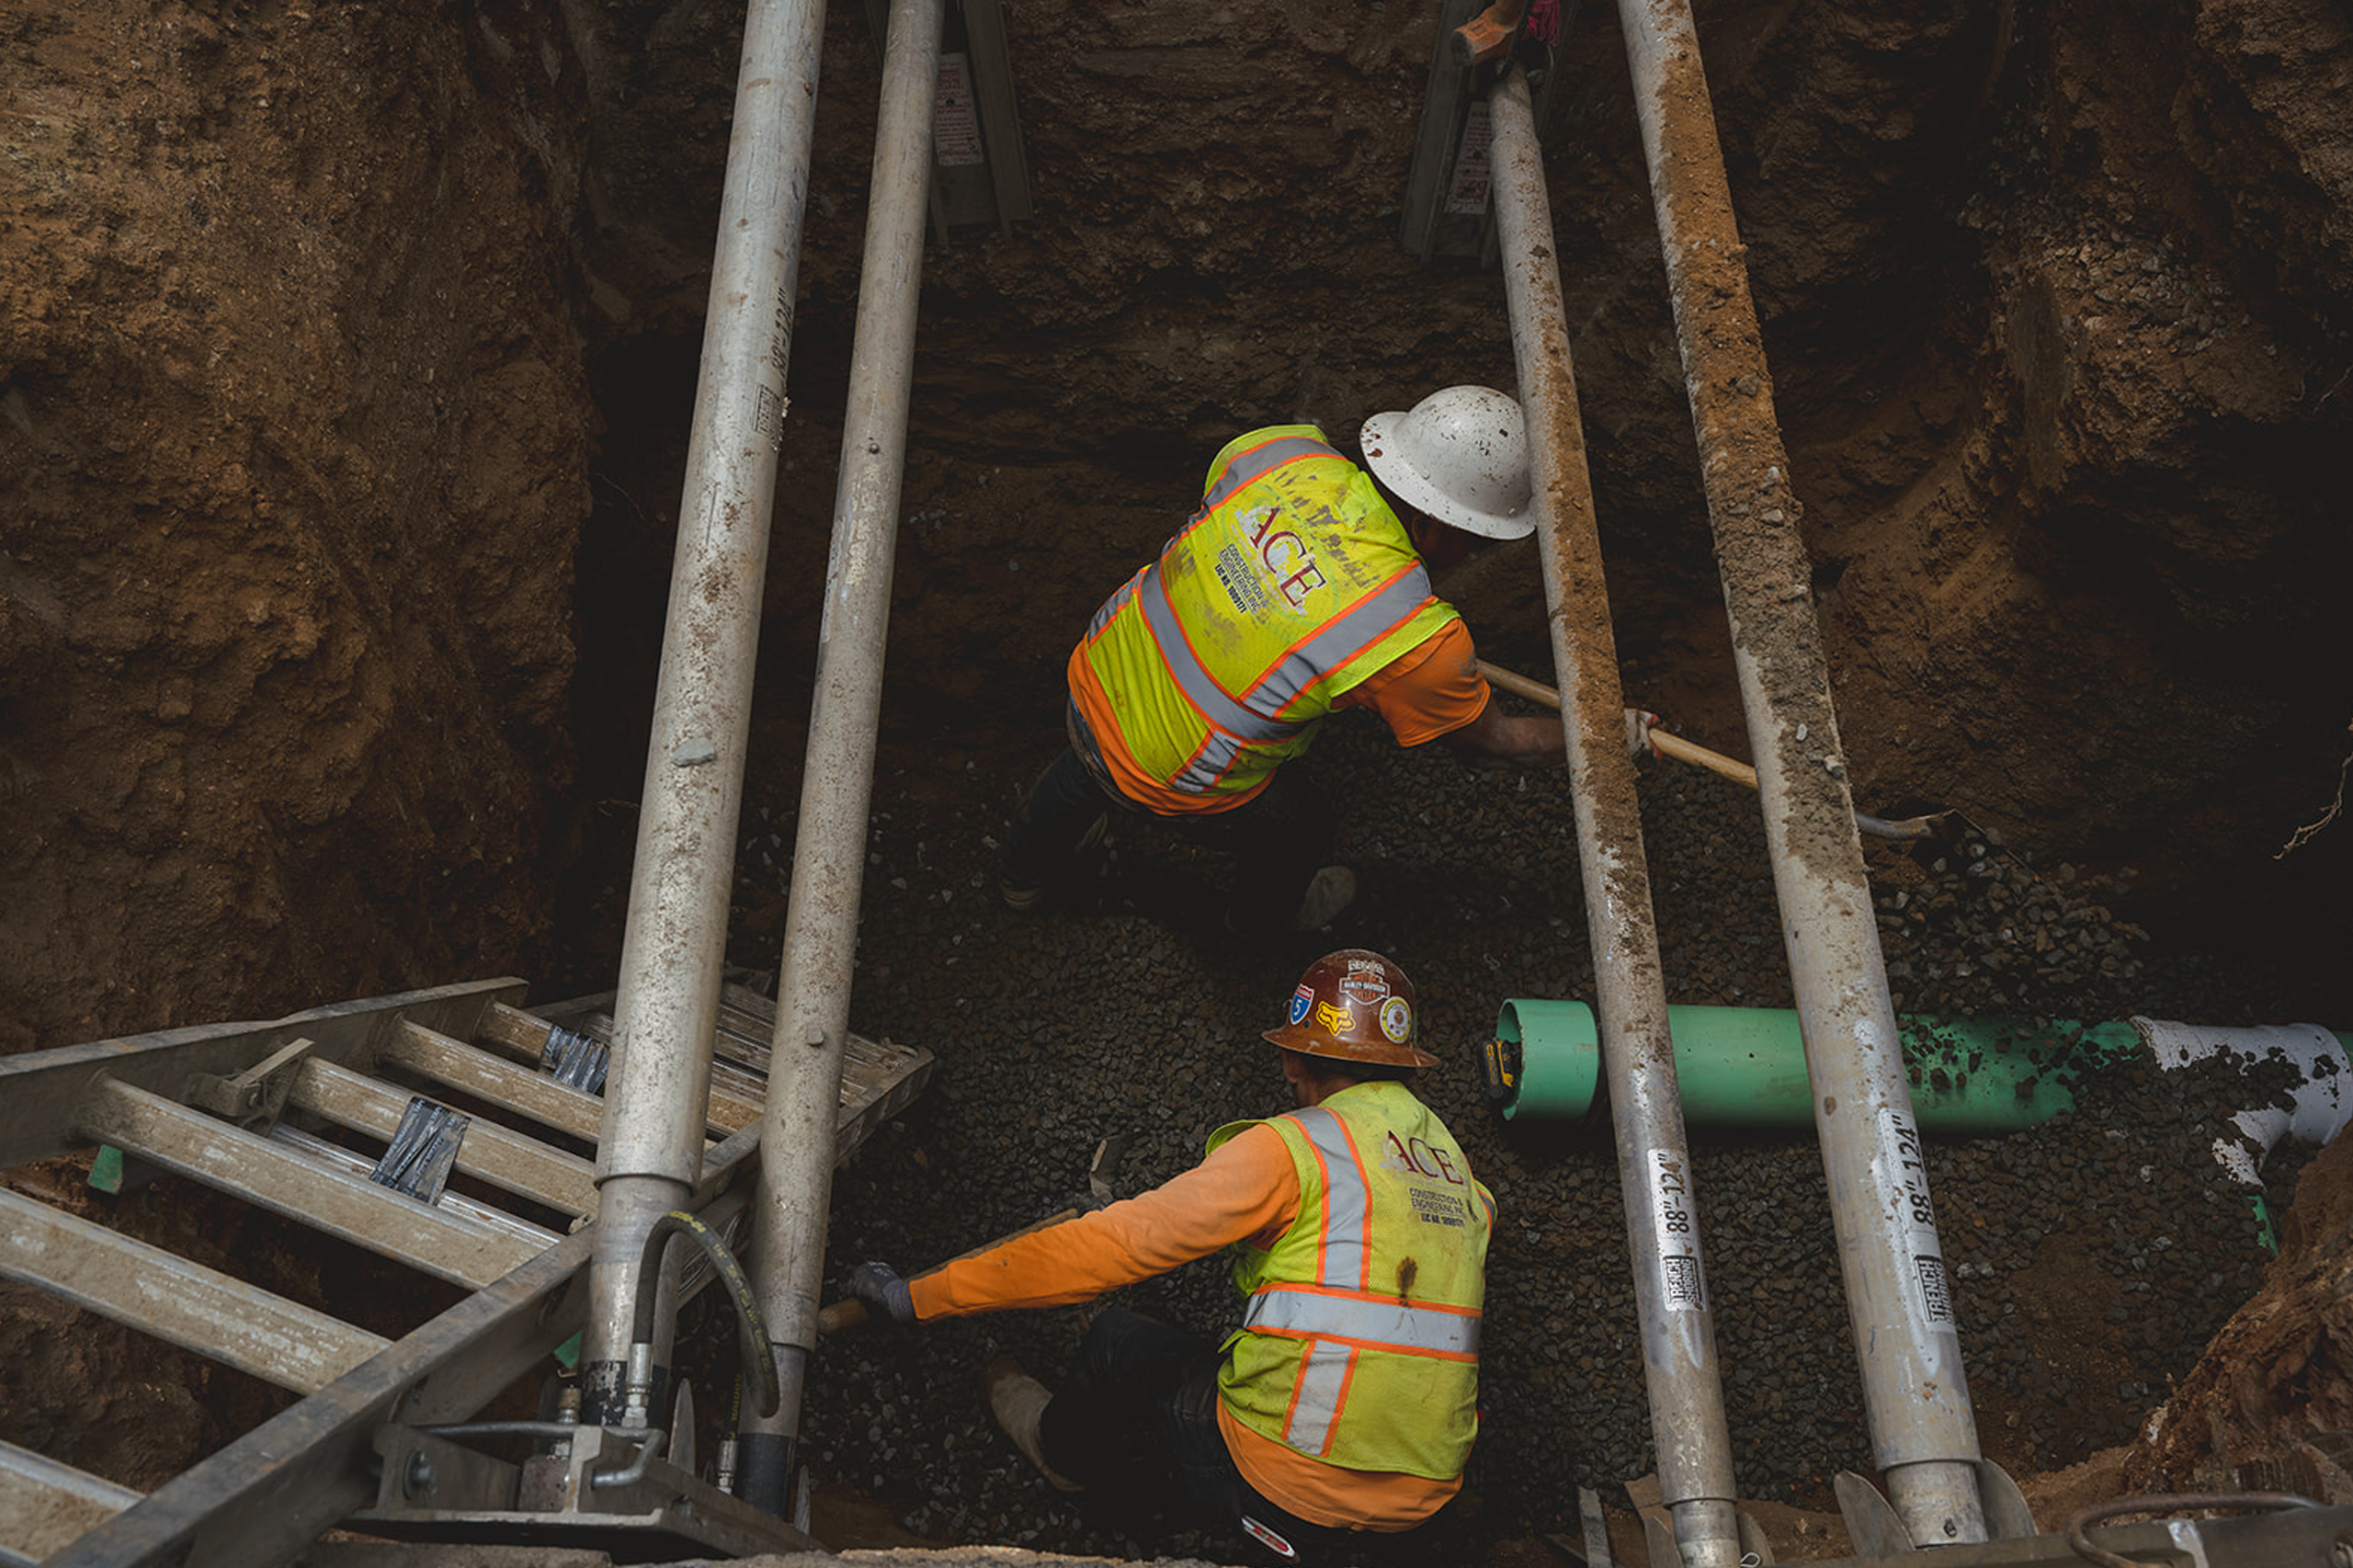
1354	1005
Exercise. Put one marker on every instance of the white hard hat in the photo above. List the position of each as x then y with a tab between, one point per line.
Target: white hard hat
1461	456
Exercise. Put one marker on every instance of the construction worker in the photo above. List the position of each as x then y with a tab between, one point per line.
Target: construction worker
1348	1400
1300	585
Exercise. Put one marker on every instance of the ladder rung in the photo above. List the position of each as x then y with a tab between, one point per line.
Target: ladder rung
513	1032
491	1152
274	1175
744	1035
165	1295
337	1157
46	1506
492	1078
735	1097
501	1083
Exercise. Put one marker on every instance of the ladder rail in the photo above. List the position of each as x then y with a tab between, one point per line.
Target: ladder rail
42	1089
262	1499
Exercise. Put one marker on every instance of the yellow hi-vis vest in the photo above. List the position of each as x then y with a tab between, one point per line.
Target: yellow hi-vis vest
1293	584
1359	1343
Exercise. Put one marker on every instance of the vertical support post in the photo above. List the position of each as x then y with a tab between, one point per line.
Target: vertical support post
673	944
829	856
1898	1297
1688	1424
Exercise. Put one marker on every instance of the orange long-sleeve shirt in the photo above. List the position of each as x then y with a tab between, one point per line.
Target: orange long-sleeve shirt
1246	1189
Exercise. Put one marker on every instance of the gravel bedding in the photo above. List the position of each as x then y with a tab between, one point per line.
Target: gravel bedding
2093	1256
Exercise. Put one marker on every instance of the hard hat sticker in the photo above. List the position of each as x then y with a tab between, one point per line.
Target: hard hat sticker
1301	1000
1334	1020
1364	984
1397	1020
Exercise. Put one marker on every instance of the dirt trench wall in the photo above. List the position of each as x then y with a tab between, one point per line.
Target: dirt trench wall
292	468
2087	598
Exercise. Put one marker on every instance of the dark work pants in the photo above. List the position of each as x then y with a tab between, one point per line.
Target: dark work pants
1279	839
1140	1410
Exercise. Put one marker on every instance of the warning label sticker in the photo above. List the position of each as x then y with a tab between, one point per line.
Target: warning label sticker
1683	1285
955	124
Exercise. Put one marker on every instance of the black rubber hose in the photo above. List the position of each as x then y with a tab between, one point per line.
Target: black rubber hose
759	1357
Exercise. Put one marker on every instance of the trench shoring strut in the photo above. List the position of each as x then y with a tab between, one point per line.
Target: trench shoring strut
1898	1298
837	787
674	943
1653	1161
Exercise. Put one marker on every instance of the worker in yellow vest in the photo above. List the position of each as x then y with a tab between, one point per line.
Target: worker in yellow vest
1348	1400
1300	586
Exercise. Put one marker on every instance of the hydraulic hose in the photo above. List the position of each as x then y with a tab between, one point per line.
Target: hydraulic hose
751	1331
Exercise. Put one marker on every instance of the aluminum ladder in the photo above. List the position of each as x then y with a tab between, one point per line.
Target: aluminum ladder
451	1131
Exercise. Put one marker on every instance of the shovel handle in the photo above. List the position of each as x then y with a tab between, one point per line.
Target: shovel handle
840	1315
1675	746
1717	763
849	1313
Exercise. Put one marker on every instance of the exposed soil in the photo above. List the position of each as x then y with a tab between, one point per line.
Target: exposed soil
346	355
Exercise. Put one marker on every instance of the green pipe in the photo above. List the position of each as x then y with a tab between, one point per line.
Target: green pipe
1746	1066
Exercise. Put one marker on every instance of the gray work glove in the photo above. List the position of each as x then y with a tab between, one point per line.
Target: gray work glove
1638	732
885	1294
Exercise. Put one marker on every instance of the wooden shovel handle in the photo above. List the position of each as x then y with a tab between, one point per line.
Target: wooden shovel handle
1740	773
1675	746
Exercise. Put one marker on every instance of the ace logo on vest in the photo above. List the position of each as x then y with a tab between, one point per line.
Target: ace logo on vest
1282	552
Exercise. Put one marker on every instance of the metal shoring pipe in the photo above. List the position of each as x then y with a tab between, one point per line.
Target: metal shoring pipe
829	852
674	943
1907	1340
1655	1170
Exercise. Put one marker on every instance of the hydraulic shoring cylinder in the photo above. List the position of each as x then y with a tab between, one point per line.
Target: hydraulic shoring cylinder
1654	1169
829	857
673	944
1898	1295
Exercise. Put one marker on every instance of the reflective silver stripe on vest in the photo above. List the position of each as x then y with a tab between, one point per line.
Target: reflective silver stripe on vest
1260	460
1206	766
1322	1379
1216	706
1112	606
1386	1324
1347	1201
1340	639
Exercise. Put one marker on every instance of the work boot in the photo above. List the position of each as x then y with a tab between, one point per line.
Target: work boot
1333	889
1023	897
1018	1400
